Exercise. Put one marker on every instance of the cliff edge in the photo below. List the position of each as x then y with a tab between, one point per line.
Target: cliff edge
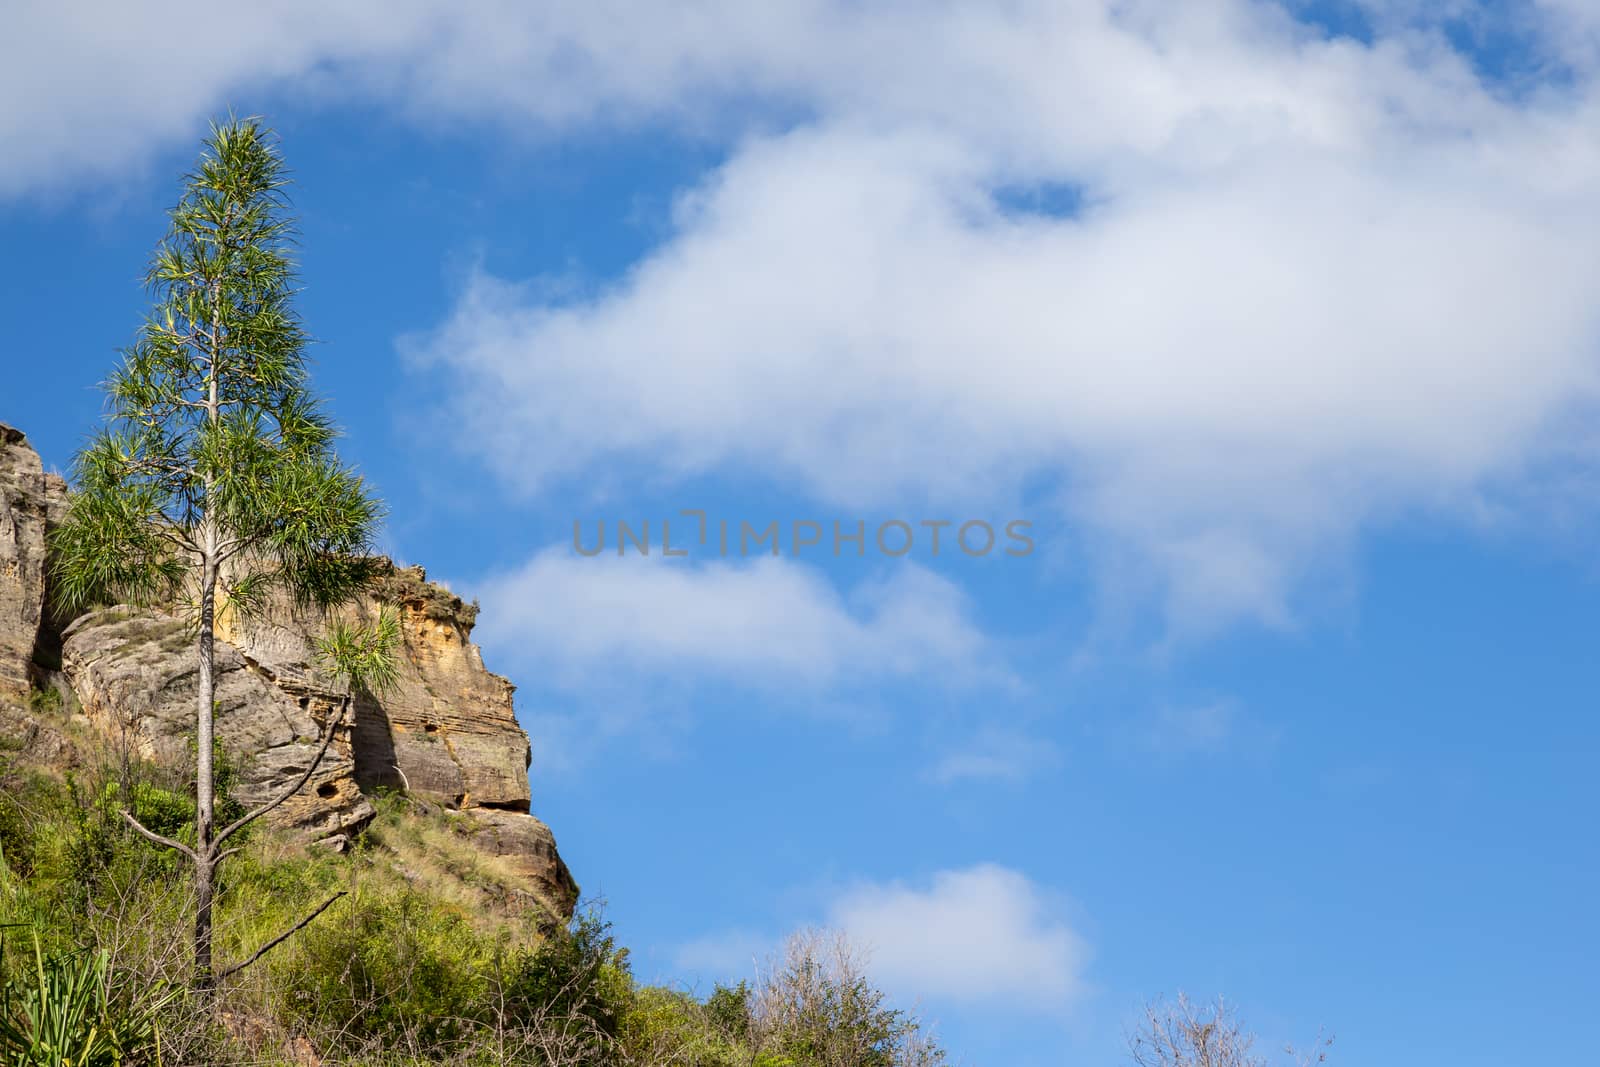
447	734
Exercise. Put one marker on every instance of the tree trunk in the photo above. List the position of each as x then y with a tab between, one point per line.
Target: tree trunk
205	860
205	800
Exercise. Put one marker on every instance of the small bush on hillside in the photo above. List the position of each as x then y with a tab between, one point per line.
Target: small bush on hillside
44	701
62	1010
816	1006
16	834
1182	1033
570	995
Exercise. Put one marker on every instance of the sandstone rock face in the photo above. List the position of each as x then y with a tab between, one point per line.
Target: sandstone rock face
530	849
27	498
134	674
39	737
448	731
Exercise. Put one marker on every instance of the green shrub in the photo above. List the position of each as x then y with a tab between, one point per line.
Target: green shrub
44	701
575	988
671	1028
388	967
162	810
16	837
728	1009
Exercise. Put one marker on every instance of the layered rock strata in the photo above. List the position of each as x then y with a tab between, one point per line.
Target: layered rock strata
446	732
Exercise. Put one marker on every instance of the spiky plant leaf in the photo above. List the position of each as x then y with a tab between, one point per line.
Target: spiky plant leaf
362	656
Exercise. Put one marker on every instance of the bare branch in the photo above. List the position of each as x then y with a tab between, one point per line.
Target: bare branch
251	816
176	846
1181	1033
280	939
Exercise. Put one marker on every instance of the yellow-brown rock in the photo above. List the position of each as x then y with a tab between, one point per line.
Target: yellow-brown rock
133	673
28	497
448	731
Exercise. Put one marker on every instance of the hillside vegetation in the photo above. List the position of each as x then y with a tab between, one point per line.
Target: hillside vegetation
431	955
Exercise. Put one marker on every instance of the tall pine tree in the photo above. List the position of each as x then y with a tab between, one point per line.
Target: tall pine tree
214	480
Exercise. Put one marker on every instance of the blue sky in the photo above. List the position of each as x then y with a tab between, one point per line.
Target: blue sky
1278	323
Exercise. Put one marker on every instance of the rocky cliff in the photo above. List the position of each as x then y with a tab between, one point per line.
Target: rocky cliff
447	733
29	499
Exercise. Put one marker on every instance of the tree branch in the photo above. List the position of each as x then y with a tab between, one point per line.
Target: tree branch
251	816
275	942
174	535
151	835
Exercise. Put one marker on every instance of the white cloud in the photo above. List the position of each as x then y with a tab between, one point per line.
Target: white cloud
995	754
1235	371
1214	728
1197	728
984	936
1316	282
1040	85
768	621
86	89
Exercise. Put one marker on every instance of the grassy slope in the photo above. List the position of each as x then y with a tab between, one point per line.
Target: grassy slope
432	955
